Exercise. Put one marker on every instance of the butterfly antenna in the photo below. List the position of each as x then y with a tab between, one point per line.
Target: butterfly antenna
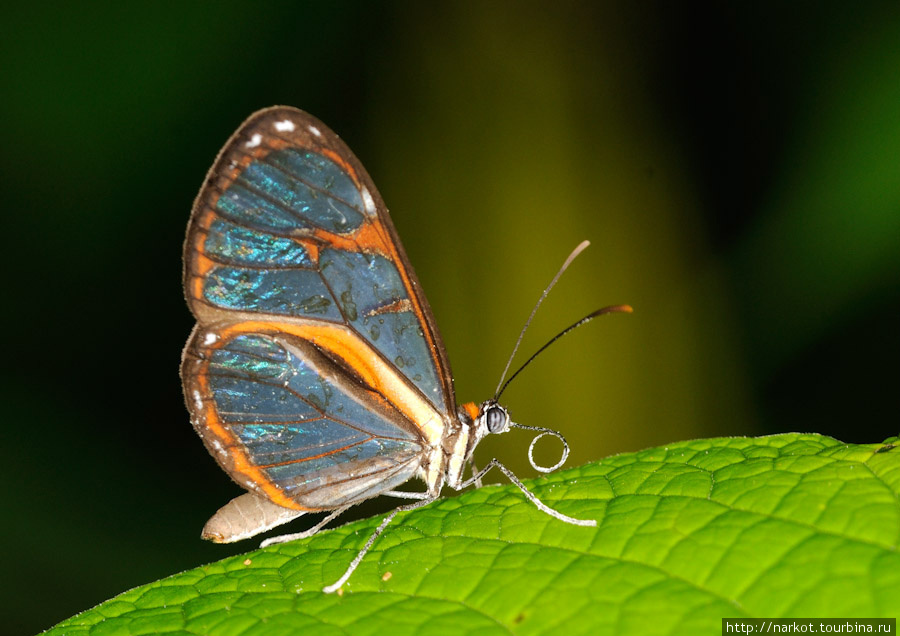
578	250
622	309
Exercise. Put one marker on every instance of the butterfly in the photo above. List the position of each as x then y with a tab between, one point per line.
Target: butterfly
315	375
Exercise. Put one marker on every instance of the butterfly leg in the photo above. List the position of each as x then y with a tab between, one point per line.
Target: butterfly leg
476	476
475	479
359	557
405	494
306	533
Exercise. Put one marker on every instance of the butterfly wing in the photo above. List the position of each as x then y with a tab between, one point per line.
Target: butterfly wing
315	375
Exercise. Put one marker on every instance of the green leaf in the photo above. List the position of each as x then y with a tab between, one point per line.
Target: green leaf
788	525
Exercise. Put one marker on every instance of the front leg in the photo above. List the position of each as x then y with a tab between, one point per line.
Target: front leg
476	479
359	557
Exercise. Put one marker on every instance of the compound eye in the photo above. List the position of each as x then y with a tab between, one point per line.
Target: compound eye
497	419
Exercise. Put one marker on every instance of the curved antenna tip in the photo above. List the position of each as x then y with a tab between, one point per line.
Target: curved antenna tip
623	309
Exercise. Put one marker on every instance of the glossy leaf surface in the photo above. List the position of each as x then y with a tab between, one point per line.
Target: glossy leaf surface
788	525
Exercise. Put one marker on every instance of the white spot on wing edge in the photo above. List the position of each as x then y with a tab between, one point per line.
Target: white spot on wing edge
198	401
314	130
217	445
285	126
368	201
255	140
210	338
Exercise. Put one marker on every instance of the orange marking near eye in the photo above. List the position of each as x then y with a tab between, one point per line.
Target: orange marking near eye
472	409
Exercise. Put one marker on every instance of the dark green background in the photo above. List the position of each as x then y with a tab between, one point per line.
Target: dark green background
736	167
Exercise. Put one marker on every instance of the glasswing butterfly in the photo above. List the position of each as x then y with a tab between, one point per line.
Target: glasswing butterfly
316	375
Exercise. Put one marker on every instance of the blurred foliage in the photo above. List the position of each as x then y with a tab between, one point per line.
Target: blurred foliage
734	166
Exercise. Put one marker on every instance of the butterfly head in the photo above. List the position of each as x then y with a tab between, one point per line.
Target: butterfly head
480	421
493	418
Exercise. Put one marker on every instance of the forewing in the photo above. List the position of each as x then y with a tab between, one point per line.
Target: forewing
289	227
